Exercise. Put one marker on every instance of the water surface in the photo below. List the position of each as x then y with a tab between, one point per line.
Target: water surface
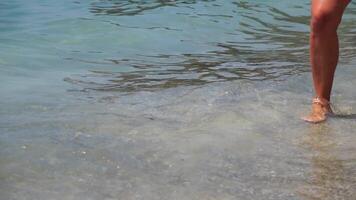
169	100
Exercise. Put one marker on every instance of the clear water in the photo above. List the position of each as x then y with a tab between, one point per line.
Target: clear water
169	100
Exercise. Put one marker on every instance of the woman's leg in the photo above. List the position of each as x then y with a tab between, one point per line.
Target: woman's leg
324	51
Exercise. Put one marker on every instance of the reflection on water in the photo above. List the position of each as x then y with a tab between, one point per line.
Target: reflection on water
119	7
330	179
191	72
247	40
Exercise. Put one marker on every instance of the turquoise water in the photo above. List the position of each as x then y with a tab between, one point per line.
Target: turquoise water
169	100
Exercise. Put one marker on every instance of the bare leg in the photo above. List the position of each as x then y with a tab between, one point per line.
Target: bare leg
324	52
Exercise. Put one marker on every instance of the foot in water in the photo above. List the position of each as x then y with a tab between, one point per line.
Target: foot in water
320	111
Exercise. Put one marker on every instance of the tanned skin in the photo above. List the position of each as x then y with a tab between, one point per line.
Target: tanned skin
326	16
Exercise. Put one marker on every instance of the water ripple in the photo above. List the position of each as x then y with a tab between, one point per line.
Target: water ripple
251	40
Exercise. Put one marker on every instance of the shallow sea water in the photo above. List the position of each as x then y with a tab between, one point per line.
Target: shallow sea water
169	100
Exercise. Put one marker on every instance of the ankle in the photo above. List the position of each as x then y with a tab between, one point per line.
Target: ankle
324	103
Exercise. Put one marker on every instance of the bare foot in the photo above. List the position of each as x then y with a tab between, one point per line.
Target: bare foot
320	110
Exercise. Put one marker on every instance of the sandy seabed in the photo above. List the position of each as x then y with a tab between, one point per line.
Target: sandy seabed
230	140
